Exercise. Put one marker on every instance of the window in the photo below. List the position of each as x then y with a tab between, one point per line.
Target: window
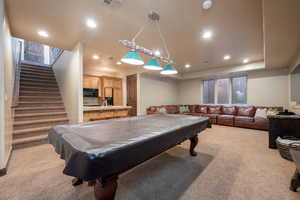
209	92
239	90
225	91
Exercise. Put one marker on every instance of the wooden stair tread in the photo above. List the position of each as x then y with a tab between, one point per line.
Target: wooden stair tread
30	139
39	108
38	102
42	97
40	121
37	87
24	131
40	114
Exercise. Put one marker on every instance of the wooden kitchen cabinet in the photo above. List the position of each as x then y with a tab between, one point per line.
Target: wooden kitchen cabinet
91	82
100	87
108	92
107	86
108	82
117	97
117	83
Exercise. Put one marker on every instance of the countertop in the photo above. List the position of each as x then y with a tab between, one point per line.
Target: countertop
94	108
284	117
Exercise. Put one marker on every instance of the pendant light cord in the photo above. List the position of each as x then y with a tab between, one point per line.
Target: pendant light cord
163	40
140	31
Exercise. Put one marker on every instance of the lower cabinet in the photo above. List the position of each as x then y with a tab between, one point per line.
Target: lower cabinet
96	115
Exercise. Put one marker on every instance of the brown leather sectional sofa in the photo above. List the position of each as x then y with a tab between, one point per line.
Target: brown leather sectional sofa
228	115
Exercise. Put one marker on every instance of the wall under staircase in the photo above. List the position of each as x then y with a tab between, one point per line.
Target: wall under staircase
40	106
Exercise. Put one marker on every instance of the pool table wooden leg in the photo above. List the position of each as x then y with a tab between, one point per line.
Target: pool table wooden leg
194	142
77	181
105	188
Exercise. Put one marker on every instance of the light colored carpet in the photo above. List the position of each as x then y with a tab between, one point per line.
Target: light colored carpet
232	164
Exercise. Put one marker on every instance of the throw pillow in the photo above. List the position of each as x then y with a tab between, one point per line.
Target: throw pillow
163	110
272	112
187	109
261	113
181	109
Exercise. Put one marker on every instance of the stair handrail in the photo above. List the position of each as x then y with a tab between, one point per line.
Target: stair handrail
16	90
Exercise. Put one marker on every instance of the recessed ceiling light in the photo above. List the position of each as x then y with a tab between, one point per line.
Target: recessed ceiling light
119	63
157	53
246	60
43	33
207	35
187	65
227	57
91	23
207	4
96	57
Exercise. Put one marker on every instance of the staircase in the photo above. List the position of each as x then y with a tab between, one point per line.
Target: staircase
40	106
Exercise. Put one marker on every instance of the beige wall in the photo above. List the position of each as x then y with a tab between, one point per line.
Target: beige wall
68	72
155	91
190	91
6	91
268	89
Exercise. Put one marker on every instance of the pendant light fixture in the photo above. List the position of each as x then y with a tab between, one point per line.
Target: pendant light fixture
169	70
153	64
134	58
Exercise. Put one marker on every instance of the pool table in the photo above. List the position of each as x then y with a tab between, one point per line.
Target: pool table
98	152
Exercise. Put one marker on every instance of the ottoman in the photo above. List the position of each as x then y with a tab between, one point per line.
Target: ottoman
283	145
295	152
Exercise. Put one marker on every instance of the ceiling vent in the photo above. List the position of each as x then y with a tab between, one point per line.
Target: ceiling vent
109	2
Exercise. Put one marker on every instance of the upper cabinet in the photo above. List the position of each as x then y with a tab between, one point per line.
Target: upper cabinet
91	82
117	83
108	82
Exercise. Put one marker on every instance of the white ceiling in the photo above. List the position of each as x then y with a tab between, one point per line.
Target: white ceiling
237	26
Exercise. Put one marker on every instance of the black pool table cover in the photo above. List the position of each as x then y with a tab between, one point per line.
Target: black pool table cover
106	148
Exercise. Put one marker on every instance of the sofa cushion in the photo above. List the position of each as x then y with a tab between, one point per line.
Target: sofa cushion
171	109
201	109
229	110
153	109
192	108
243	119
248	111
227	120
212	116
278	108
225	117
214	109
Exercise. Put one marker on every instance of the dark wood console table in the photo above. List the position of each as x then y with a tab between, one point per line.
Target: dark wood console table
283	125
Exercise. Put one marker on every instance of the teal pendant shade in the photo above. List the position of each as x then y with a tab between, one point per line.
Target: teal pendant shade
132	58
168	70
153	64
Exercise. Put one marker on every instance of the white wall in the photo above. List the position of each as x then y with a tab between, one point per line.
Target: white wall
69	73
6	88
155	91
2	124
